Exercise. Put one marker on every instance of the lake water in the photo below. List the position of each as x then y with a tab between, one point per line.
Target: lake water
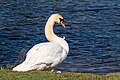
93	32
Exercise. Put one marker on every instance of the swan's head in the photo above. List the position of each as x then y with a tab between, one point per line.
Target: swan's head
59	19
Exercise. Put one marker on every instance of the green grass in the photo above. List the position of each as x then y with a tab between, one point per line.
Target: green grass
44	75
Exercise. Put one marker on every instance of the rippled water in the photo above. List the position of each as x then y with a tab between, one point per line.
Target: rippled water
93	31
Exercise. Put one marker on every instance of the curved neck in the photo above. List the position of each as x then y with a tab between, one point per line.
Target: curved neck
49	31
50	35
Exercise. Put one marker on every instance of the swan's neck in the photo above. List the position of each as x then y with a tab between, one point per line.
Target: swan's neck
49	31
50	35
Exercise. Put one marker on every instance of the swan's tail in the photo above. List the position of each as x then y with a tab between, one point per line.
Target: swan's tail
26	67
22	67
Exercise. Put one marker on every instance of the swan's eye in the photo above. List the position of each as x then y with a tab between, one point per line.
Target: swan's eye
61	20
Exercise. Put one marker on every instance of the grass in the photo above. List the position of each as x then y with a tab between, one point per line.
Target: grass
45	75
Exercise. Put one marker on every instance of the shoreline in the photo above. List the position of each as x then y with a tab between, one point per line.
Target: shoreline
47	75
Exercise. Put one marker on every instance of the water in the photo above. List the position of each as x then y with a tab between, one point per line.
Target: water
93	31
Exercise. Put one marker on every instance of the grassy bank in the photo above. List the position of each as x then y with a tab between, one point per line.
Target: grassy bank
42	75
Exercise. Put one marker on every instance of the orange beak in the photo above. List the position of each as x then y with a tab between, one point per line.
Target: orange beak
62	24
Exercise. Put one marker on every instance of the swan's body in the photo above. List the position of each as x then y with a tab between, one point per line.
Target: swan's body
46	56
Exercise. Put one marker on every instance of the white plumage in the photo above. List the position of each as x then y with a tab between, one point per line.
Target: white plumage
46	56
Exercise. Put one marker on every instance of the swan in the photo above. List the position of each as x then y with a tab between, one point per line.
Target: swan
47	55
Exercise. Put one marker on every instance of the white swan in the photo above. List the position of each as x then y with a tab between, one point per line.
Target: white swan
46	56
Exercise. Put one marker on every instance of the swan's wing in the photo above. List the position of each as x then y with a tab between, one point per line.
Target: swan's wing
47	53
